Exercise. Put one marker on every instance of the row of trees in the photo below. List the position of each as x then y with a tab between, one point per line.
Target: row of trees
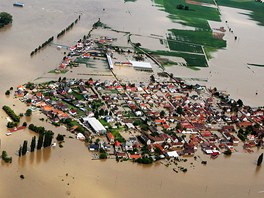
69	27
41	46
44	140
5	18
11	113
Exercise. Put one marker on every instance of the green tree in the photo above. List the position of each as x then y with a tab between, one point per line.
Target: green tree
11	124
162	113
24	148
5	18
179	110
33	144
40	141
48	138
28	112
60	138
96	114
106	112
103	156
28	101
20	151
5	157
260	159
7	93
24	124
240	102
101	112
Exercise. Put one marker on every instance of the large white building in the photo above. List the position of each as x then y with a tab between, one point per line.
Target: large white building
110	62
145	66
95	125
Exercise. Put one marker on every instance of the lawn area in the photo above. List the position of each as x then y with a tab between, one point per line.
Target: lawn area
70	106
72	123
81	60
117	135
103	122
257	8
77	95
128	114
114	131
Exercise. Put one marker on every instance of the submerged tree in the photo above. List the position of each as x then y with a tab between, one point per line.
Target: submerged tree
28	112
5	18
20	151
40	141
24	148
33	144
260	159
47	139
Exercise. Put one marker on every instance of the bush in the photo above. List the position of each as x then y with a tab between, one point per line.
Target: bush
6	158
56	124
144	160
28	112
60	138
228	152
103	156
11	124
5	18
7	93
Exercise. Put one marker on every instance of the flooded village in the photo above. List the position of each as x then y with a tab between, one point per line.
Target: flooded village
143	120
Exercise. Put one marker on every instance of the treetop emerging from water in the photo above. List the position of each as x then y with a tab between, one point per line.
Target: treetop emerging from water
5	18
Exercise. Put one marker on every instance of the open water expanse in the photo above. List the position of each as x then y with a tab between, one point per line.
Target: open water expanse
46	171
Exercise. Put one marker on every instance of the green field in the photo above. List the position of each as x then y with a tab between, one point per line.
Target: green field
184	47
257	8
189	44
197	15
199	37
192	60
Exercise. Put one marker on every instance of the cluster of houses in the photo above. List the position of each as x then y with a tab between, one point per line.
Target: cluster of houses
84	49
162	118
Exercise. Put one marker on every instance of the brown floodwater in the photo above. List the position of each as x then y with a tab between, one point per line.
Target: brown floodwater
69	171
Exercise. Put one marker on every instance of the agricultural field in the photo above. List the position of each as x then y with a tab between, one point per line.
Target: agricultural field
196	15
195	46
251	5
192	60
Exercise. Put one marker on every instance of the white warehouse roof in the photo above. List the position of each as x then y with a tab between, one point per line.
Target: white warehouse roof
110	63
173	154
142	65
95	124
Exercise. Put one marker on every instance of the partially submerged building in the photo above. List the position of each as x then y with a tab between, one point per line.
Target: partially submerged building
143	66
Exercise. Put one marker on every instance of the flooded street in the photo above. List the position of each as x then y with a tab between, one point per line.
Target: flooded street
69	171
